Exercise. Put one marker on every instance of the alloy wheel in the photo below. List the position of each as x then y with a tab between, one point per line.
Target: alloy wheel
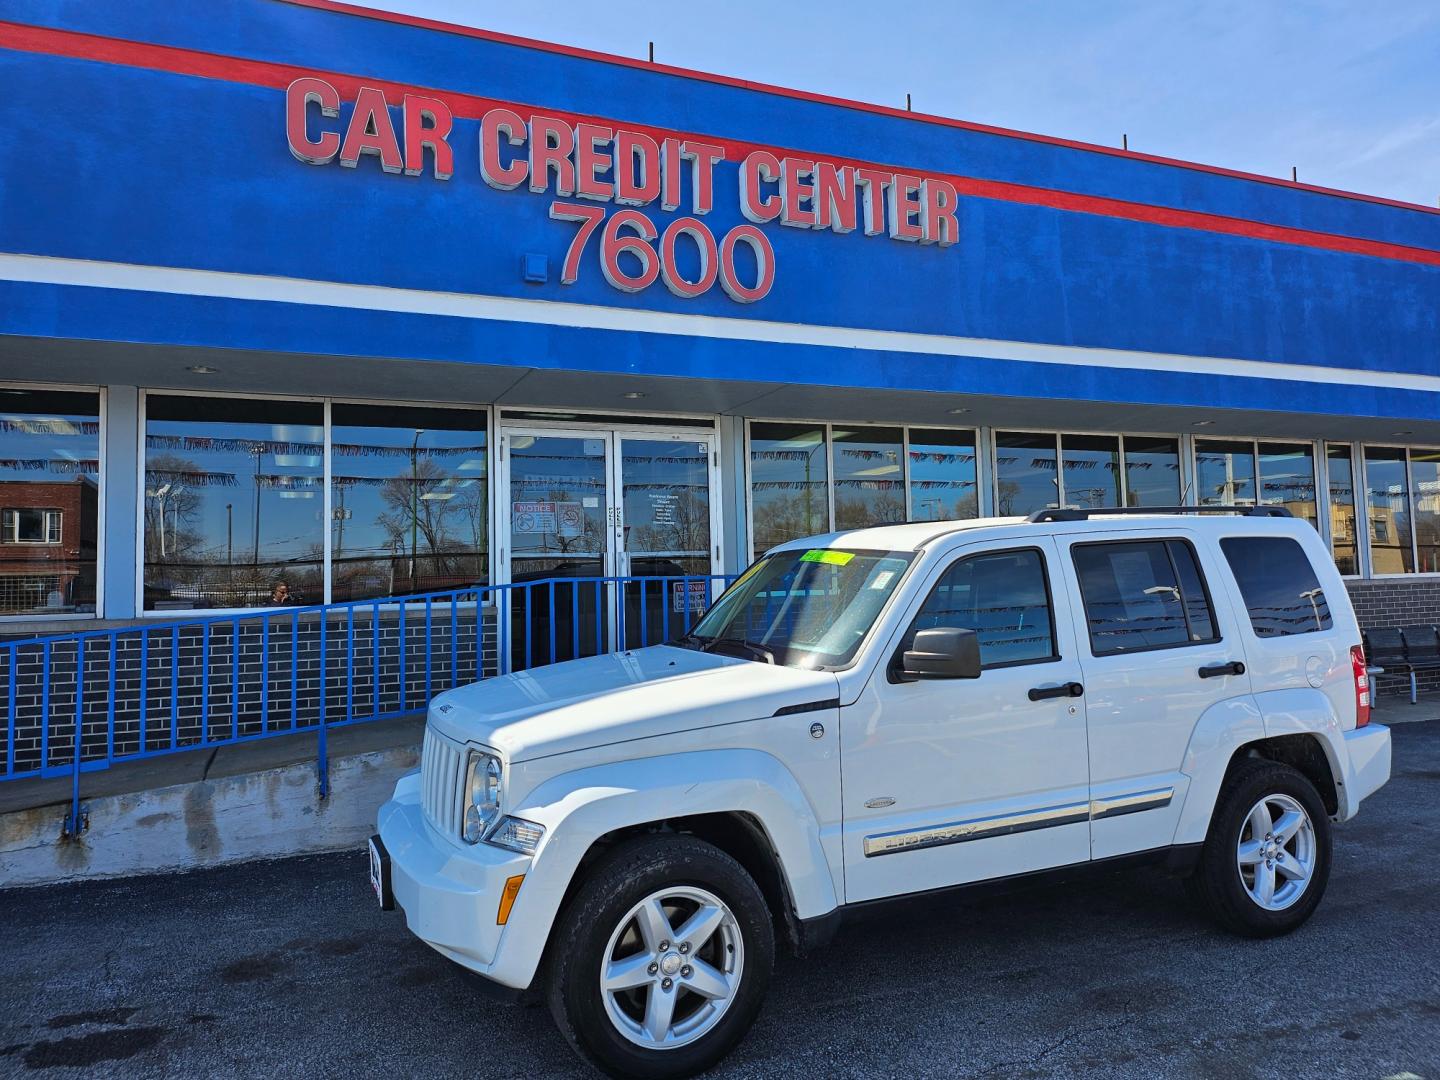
1277	852
672	967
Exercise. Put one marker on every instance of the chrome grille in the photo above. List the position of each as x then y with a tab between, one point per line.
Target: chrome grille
442	776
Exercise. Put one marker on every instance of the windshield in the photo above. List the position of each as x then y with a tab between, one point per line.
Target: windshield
809	609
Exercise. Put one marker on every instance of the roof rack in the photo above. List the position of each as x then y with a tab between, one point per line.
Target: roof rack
1075	513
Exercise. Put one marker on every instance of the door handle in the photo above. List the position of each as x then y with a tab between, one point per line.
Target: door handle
1069	689
1215	671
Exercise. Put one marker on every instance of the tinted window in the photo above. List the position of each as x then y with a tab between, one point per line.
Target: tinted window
1280	589
1000	595
1142	595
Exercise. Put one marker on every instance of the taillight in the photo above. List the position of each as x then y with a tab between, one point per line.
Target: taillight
1362	686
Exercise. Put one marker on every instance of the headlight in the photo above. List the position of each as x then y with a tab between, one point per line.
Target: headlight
482	803
517	834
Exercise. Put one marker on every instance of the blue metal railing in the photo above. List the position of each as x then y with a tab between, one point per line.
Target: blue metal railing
81	702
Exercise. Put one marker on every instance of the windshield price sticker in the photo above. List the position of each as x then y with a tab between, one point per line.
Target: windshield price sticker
829	558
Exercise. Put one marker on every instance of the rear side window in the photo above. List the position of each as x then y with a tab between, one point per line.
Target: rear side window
1142	594
1004	597
1279	586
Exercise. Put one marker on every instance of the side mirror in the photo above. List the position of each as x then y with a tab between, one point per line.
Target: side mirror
944	652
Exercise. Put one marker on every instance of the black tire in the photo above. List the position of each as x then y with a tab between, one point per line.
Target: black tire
617	883
1217	883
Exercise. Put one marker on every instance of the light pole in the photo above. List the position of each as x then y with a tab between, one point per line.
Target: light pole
414	502
258	449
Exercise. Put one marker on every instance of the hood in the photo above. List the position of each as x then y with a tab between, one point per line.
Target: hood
580	704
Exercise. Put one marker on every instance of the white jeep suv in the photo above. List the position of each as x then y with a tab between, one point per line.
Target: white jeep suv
877	713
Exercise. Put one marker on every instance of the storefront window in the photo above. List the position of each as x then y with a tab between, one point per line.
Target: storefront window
1152	471
869	481
409	502
1091	470
1224	472
1387	499
233	502
1026	479
1287	478
942	475
789	482
1342	508
1425	477
49	501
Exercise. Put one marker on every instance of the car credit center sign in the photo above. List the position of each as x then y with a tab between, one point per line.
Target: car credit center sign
587	164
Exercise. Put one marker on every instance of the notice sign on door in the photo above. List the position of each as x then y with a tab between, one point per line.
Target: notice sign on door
532	517
560	518
688	592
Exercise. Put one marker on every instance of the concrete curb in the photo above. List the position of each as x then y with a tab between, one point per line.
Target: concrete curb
263	814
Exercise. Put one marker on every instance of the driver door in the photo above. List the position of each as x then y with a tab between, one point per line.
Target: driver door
949	781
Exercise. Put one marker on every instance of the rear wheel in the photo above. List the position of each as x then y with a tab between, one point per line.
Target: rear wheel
659	965
1266	860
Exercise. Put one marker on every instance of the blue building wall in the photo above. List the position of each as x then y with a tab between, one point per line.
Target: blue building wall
111	155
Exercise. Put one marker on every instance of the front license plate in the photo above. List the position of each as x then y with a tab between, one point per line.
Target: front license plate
380	874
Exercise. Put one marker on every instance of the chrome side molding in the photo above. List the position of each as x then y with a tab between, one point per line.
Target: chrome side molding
956	832
1045	817
1117	805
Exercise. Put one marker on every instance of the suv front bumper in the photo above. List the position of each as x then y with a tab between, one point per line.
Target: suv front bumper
450	893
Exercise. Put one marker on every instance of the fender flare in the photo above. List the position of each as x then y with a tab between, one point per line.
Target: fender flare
1228	726
577	808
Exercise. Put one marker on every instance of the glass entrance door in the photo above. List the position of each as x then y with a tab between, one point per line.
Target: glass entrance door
607	537
665	484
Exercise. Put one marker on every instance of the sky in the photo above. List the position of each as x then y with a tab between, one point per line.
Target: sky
1345	92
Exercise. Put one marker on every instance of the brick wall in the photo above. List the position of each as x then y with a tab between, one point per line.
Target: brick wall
1398	602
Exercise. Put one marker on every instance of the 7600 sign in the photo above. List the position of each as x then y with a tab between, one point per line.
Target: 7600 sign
633	232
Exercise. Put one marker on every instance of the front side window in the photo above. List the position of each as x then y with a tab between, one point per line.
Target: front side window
1281	592
233	502
49	501
1142	595
1004	597
802	608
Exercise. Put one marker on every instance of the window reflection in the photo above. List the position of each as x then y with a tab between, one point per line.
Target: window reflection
1425	476
1224	472
1152	471
1387	500
409	500
942	475
233	502
49	501
1342	508
1287	478
1091	470
789	481
869	482
1025	473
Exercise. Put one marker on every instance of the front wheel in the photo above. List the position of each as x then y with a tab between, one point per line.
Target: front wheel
660	963
1266	860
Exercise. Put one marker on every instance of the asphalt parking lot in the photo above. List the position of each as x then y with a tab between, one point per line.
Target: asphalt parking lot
288	969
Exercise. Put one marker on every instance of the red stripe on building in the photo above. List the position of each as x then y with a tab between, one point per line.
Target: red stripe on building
264	73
